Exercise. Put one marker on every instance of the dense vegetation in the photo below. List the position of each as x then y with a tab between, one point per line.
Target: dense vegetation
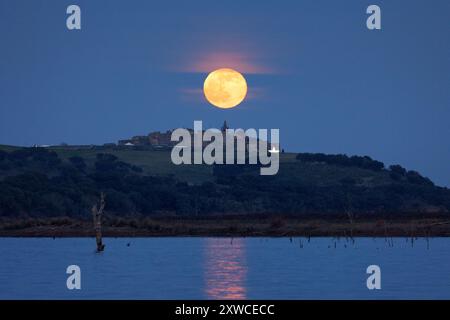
38	182
397	172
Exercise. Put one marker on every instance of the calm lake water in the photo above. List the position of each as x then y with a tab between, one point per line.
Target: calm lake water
224	268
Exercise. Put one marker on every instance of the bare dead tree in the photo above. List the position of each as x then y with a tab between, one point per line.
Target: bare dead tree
97	212
351	216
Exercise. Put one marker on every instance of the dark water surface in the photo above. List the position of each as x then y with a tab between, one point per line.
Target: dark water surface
224	268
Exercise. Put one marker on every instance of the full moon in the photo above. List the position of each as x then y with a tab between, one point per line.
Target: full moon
225	88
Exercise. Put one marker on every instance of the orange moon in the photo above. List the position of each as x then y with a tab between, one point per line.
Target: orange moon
225	88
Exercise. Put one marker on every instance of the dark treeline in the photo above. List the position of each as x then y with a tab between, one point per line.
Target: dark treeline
36	182
342	160
397	172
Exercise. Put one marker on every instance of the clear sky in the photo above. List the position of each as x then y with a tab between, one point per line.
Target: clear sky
313	68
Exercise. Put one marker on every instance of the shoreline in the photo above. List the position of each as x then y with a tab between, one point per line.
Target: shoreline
231	227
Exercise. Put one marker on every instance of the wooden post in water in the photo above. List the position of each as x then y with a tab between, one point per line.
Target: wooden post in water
351	217
97	213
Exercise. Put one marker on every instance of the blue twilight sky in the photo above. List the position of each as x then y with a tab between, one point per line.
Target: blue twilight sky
314	71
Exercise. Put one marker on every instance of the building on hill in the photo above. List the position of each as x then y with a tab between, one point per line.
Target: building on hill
154	139
162	140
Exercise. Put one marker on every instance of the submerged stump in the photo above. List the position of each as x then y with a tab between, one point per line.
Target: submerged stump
97	212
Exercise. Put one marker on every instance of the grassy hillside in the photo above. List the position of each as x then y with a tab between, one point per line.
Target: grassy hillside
153	162
158	163
8	148
66	180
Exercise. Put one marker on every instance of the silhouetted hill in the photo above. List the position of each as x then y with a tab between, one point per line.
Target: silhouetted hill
66	181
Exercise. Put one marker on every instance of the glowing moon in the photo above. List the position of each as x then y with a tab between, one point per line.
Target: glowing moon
225	88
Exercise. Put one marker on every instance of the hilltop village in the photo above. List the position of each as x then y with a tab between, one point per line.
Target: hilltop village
157	139
162	140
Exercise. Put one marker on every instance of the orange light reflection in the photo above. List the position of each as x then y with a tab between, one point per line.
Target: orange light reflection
225	268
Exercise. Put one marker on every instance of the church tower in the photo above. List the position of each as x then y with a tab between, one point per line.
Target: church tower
225	126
